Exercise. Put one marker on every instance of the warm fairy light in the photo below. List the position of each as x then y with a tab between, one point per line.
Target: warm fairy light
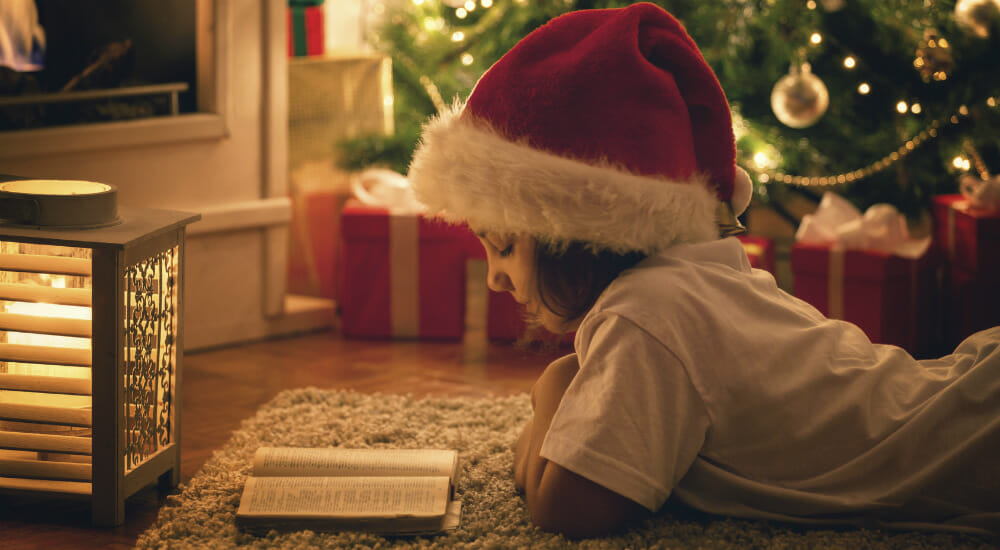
467	59
811	4
486	3
461	13
961	163
458	36
434	24
991	101
388	101
470	5
850	62
864	88
815	38
902	107
963	110
915	108
418	2
760	159
763	178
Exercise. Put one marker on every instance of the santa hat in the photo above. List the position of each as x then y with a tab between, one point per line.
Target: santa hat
602	126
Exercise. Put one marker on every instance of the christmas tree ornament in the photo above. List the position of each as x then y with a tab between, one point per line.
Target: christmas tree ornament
934	58
799	98
977	16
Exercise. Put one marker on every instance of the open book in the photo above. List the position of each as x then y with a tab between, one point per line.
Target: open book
377	490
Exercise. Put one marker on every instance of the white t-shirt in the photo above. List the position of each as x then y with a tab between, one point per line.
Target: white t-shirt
700	378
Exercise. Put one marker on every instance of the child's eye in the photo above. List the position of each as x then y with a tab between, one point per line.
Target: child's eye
507	251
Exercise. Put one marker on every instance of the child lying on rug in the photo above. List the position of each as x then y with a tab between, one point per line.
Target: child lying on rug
596	161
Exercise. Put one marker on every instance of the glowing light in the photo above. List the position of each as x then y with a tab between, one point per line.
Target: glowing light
461	13
902	107
418	2
992	102
470	5
815	38
963	110
388	101
960	162
761	160
864	88
458	36
850	62
486	3
915	108
434	24
811	4
467	59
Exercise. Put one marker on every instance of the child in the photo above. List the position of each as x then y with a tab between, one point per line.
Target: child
596	161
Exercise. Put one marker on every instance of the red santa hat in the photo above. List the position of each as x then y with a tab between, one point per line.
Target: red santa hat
602	126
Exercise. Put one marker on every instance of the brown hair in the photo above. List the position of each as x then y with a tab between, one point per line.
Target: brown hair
571	277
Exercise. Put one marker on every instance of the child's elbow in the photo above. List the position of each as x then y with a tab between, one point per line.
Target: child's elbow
572	522
566	509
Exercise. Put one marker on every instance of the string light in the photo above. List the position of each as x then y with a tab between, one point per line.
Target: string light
467	59
418	2
864	88
457	36
850	62
915	108
902	107
961	163
929	133
470	6
461	13
815	38
486	3
811	4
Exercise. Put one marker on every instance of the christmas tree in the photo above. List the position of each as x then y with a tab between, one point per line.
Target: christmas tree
878	100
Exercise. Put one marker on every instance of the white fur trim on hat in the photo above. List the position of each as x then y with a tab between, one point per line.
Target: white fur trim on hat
468	172
742	191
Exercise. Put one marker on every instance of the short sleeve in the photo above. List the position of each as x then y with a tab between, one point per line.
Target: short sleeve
631	420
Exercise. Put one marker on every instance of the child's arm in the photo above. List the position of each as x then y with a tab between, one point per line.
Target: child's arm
558	499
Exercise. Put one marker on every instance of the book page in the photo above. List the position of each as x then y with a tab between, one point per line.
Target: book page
344	496
304	461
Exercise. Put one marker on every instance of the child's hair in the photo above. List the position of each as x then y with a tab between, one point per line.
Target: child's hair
570	278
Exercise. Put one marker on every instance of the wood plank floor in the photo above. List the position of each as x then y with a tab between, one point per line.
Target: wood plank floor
222	387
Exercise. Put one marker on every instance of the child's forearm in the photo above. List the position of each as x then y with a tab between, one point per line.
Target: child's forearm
521	456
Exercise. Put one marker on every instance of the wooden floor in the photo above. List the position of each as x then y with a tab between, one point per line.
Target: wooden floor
222	387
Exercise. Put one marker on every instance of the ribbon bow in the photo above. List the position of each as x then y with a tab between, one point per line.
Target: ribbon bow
386	189
984	194
838	223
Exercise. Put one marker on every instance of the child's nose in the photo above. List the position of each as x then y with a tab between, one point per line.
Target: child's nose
498	281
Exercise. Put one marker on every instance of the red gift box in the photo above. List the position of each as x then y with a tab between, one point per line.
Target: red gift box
760	251
969	237
892	298
402	276
505	318
972	303
305	30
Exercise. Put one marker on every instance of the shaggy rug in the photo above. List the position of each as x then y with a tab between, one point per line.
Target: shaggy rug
493	515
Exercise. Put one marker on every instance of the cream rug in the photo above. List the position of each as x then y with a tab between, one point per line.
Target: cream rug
493	515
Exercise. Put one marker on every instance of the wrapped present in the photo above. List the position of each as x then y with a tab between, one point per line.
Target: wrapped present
967	235
971	304
305	30
402	275
865	269
760	251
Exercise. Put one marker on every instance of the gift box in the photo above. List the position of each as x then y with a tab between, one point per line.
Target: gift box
401	275
760	251
891	298
305	30
969	237
971	304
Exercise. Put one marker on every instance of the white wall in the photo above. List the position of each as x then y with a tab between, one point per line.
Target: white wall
228	165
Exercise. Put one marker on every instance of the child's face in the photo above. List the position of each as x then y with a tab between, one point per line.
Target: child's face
511	260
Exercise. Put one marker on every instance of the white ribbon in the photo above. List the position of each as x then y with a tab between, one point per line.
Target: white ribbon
984	194
385	189
838	224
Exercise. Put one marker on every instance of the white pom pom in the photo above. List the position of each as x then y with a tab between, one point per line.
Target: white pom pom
742	191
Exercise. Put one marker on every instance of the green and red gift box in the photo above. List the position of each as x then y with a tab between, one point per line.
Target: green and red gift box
305	30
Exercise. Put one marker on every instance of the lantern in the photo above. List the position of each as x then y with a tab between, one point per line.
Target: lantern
91	304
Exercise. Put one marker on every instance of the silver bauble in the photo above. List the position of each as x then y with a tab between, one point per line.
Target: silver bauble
799	98
977	16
